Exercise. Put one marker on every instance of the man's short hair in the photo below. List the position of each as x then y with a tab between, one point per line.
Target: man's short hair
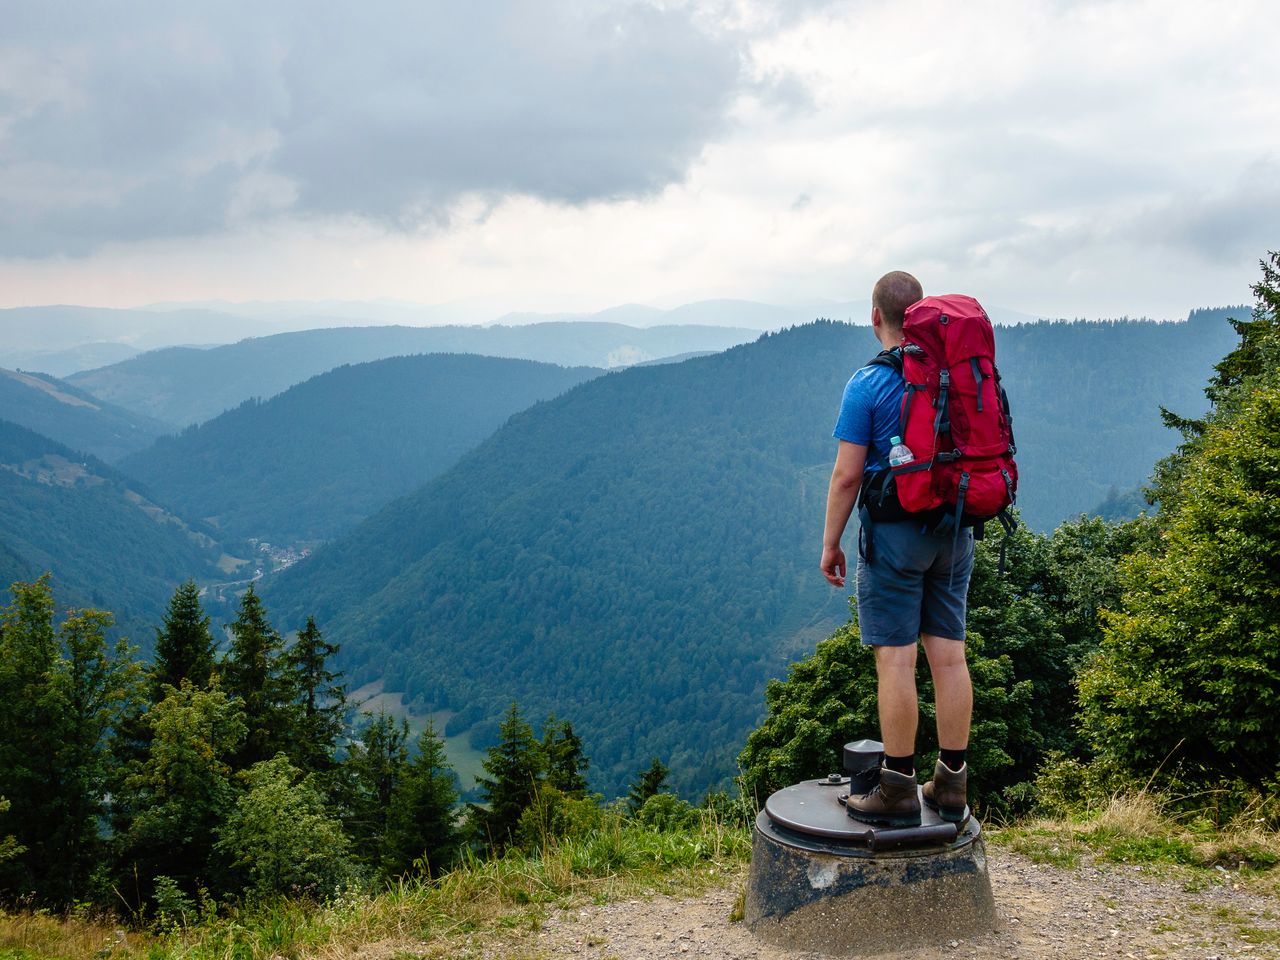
893	293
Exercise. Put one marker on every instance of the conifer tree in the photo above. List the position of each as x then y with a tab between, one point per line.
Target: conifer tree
254	671
566	760
1188	679
515	767
651	781
320	700
421	825
184	645
29	732
61	694
373	770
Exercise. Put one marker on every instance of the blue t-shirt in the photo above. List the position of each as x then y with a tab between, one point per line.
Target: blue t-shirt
870	413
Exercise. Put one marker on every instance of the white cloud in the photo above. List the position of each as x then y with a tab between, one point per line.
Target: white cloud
1068	158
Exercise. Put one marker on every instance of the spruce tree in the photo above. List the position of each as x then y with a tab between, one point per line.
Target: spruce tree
372	771
566	760
184	645
516	766
254	671
320	700
1188	679
651	781
422	821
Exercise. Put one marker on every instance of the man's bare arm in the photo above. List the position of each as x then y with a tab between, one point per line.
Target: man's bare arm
846	477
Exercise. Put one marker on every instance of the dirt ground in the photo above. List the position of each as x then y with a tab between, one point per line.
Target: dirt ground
1046	912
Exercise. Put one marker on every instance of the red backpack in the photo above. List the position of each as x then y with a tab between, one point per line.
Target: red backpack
955	417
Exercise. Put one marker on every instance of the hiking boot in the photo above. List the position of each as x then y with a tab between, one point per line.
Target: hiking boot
893	802
946	791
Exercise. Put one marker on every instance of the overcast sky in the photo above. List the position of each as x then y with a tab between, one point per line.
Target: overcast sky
1059	158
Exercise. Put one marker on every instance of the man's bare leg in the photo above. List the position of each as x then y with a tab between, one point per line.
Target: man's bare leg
953	690
896	688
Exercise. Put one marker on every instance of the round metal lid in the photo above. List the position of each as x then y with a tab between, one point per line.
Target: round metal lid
812	809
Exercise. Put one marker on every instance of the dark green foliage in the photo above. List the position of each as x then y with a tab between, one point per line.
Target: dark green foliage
254	671
184	645
1123	505
320	700
183	385
421	826
566	759
62	690
315	460
671	517
1189	674
281	837
106	543
516	766
72	417
648	783
181	792
374	767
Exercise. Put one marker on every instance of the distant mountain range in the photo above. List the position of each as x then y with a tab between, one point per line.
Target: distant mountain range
61	340
69	415
640	554
313	461
107	543
183	385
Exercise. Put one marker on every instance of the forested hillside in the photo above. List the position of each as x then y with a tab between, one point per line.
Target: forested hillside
670	516
106	543
1086	401
69	415
184	386
311	462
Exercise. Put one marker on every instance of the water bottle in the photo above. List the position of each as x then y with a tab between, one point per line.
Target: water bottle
900	454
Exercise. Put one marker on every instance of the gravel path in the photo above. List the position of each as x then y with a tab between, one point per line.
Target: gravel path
1046	912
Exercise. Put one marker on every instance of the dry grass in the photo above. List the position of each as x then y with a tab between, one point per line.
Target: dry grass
31	934
1142	827
457	915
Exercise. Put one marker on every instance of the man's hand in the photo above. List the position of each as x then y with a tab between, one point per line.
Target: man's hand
833	565
846	476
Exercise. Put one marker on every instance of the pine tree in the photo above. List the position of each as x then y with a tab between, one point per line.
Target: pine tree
254	671
422	821
566	760
516	767
651	781
320	700
184	646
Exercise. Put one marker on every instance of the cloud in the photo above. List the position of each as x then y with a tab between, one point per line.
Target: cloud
146	120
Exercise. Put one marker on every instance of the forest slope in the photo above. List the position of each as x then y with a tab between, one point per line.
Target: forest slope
640	554
184	386
311	462
102	537
67	414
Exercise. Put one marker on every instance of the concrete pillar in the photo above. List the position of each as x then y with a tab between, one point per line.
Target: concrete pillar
816	883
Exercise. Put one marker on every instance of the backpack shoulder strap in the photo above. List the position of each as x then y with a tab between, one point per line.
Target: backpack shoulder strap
888	358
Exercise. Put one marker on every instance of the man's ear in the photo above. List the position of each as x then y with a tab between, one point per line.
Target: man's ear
876	317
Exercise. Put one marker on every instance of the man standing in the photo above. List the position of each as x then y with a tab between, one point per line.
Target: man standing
911	584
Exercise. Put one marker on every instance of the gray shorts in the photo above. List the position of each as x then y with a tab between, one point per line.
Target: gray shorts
915	583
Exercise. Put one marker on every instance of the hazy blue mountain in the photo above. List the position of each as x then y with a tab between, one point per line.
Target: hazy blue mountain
69	360
641	553
106	541
69	415
186	386
311	462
